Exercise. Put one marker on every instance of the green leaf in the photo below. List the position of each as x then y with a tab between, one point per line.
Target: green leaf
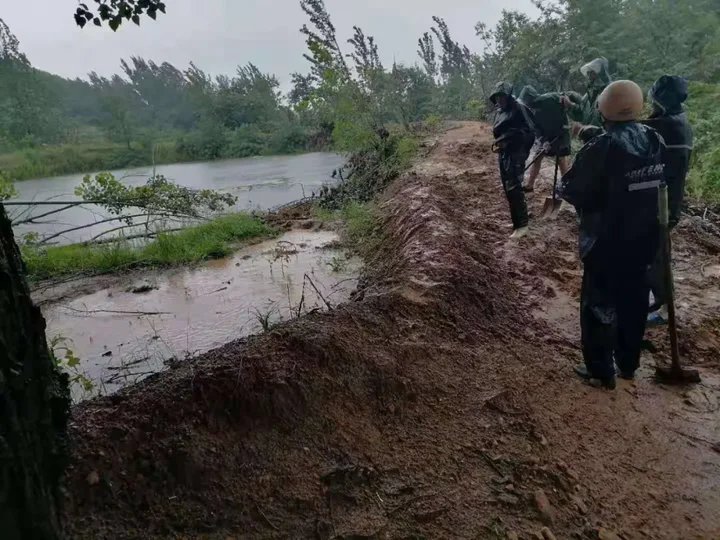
72	360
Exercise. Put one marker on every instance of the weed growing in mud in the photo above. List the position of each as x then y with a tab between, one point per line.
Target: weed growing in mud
210	240
268	318
338	264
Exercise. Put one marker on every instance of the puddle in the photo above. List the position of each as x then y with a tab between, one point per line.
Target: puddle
122	337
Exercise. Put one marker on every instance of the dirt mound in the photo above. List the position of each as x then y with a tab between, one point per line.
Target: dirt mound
435	405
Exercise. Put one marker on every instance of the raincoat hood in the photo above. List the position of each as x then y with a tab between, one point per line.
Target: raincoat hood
528	96
669	93
601	68
501	88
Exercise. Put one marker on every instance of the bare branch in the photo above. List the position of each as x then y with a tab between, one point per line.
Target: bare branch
51	212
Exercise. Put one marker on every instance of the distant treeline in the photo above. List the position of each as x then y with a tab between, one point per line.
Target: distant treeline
348	97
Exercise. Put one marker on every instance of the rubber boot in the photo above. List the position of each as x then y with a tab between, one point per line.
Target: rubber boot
582	371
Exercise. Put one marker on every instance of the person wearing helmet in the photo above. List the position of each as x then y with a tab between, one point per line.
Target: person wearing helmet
513	139
552	130
667	96
613	185
583	109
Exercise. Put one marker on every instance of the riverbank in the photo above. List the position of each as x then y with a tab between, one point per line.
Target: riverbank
212	240
83	158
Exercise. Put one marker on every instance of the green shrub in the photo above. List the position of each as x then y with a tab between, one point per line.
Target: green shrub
704	114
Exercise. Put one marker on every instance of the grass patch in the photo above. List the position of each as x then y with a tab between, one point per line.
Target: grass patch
362	230
704	114
212	240
79	158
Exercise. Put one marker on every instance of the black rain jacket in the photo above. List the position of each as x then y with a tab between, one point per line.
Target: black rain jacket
613	185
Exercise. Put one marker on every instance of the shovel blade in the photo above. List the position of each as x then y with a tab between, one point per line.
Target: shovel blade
551	208
677	375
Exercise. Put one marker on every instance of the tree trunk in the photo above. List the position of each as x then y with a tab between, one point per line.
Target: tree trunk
34	408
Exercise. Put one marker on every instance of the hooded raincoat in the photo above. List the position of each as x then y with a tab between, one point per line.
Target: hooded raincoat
613	185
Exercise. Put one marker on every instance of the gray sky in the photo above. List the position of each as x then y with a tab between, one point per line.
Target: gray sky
220	34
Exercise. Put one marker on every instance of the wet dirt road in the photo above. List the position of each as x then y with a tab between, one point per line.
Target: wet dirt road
439	403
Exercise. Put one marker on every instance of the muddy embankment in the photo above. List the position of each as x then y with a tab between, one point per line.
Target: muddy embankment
438	403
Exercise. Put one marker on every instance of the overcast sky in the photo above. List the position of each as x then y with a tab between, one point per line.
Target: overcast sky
220	34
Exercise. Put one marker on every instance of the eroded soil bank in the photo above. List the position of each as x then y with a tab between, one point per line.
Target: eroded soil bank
439	403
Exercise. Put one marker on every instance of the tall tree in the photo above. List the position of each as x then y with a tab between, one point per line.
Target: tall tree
34	397
426	52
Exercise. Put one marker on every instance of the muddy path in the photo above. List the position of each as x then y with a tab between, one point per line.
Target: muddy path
438	403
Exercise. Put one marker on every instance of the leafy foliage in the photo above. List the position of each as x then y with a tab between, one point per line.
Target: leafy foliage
158	195
7	189
114	12
65	359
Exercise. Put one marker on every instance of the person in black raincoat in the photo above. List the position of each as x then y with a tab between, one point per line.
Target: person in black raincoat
552	130
613	185
583	108
513	140
667	96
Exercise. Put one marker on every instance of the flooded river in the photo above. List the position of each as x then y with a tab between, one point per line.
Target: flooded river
122	336
259	183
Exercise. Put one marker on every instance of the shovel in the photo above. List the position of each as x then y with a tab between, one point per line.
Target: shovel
552	205
675	373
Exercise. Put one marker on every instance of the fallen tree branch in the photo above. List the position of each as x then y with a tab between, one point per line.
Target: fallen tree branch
51	212
110	220
318	292
148	234
114	312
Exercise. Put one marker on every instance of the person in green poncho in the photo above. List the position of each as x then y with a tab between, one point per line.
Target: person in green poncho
552	130
583	109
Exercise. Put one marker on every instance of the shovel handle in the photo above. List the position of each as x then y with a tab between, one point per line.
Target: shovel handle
666	246
557	165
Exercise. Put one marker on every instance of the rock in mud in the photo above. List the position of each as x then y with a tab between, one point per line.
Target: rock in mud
507	498
93	479
544	507
606	534
580	505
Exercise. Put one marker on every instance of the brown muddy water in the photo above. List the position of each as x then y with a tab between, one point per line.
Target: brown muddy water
121	336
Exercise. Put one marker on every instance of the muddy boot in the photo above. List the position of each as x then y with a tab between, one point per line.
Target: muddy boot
519	232
658	318
582	371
